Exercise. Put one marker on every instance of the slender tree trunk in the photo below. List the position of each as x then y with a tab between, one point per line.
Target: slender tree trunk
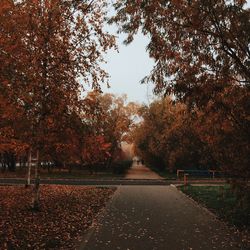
69	168
29	169
12	162
4	167
36	194
91	169
48	167
109	162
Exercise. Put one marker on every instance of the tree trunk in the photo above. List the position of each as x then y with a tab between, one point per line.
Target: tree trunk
69	168
12	162
48	167
90	167
36	200
29	169
109	162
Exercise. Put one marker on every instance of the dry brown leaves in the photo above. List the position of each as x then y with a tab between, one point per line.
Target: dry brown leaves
66	212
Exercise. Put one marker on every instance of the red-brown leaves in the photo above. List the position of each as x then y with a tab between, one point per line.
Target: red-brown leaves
66	213
48	50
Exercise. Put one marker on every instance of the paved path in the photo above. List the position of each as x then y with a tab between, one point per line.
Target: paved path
157	218
141	172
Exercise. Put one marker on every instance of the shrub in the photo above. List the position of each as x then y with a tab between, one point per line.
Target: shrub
120	167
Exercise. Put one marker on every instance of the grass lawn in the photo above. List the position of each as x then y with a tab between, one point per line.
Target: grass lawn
80	174
66	212
222	201
118	171
63	174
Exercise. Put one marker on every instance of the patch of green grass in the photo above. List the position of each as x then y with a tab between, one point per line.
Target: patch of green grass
65	174
222	201
65	214
116	171
80	174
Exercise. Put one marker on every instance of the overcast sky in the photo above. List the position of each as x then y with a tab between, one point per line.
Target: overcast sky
128	67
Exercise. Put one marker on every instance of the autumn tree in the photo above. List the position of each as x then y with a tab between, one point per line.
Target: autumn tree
91	144
12	120
166	138
109	118
198	46
224	134
50	47
201	53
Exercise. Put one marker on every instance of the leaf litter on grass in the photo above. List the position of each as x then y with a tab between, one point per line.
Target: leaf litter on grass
66	212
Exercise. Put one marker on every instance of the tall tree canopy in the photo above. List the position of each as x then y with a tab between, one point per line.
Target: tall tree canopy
47	48
202	56
199	46
167	137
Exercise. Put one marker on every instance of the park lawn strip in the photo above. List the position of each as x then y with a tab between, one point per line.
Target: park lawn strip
66	212
83	175
222	201
117	171
64	174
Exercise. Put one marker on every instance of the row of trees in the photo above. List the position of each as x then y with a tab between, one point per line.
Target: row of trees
45	47
88	138
166	138
202	56
171	136
50	50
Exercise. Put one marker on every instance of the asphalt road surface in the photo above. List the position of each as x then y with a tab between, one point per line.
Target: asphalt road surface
140	172
157	218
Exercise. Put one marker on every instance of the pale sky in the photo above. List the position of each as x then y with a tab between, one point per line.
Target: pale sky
128	67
